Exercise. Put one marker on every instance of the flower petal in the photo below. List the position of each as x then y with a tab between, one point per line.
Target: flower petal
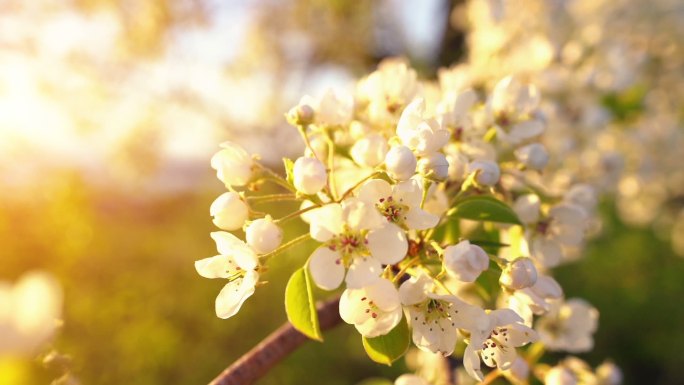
415	290
471	363
326	268
363	272
384	295
234	294
359	215
419	219
220	266
388	244
409	192
373	190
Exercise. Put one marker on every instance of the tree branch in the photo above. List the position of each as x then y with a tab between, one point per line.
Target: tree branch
278	345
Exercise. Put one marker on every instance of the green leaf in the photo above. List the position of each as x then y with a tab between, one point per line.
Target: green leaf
289	166
300	305
390	347
484	208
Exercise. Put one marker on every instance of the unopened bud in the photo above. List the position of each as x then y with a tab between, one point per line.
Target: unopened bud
488	172
534	156
301	115
559	375
519	274
400	163
465	261
263	235
229	211
233	165
434	166
370	150
309	175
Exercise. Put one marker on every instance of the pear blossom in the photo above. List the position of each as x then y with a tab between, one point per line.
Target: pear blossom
537	299
423	135
229	211
309	175
564	227
488	172
435	318
527	208
534	156
400	163
301	115
465	261
399	204
519	274
374	310
263	235
453	110
583	195
609	374
388	89
370	150
511	106
494	340
458	163
569	326
434	166
334	108
233	165
519	372
236	262
357	239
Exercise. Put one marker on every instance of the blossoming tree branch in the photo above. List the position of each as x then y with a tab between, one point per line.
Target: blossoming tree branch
433	216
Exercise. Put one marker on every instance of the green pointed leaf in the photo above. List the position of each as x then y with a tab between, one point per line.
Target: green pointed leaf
300	305
484	208
289	166
390	347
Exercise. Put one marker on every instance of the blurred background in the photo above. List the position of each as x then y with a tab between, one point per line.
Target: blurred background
109	113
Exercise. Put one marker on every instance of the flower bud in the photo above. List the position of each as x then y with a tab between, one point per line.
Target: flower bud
609	374
233	165
534	156
300	115
488	172
558	375
370	151
410	379
229	211
465	261
519	274
400	163
434	166
458	164
309	175
527	208
263	235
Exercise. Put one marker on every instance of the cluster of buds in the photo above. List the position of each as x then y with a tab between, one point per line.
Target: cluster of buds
417	203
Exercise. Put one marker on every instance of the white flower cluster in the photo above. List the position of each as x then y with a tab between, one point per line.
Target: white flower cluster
418	203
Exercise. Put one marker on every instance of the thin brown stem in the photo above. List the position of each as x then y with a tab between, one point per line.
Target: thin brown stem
278	345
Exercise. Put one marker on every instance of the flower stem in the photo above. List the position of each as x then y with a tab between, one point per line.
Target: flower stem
403	270
296	214
274	348
272	198
490	377
359	183
285	246
331	166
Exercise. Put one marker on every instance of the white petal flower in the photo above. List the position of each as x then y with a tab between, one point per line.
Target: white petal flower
335	108
465	261
527	208
582	195
229	211
495	340
453	110
421	134
569	326
388	244
233	165
400	163
435	318
309	175
565	226
559	375
236	262
488	172
534	156
263	235
539	297
399	204
519	274
370	150
374	310
326	268
434	166
458	163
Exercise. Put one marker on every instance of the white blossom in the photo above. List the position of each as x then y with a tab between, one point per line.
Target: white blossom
233	165
465	261
309	175
559	375
564	227
263	235
401	162
434	166
527	208
399	204
422	134
374	310
488	172
370	150
236	262
534	156
229	211
519	274
569	326
410	379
